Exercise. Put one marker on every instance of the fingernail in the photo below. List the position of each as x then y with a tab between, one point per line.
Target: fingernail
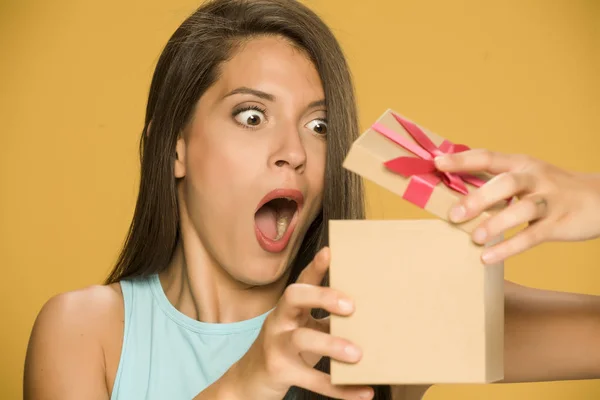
352	351
366	394
488	256
479	235
457	213
345	305
441	161
324	254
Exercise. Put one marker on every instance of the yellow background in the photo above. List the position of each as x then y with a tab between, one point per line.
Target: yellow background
516	76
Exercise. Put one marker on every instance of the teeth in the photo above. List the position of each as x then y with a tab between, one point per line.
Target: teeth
282	224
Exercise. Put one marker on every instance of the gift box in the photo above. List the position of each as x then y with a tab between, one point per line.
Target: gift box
427	309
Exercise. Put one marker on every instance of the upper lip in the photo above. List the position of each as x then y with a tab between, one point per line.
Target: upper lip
286	193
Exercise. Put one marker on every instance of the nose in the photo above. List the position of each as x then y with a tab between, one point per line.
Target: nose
290	151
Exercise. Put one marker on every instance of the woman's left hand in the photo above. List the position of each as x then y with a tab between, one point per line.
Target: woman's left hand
557	205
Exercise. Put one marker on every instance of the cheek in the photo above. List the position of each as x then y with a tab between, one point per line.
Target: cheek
315	170
215	166
205	169
317	159
212	178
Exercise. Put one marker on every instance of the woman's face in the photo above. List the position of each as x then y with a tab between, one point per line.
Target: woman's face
253	160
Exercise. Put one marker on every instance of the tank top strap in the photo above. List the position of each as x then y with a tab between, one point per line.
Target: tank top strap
137	295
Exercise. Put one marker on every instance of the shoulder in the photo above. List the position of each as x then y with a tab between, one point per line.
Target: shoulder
74	330
87	309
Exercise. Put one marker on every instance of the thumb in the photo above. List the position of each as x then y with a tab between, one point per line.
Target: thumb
314	272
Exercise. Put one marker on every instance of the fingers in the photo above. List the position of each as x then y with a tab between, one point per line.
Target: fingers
320	382
314	272
526	210
305	340
300	297
526	239
480	160
499	188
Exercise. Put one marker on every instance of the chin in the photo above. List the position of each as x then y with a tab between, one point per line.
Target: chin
261	273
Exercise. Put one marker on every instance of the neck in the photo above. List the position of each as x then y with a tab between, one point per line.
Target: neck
201	289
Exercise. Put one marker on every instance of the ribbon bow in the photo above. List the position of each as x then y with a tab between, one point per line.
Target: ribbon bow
423	170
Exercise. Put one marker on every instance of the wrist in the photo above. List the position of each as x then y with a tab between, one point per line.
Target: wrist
593	180
246	381
596	179
231	385
224	388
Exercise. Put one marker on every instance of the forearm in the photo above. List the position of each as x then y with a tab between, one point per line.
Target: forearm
222	389
240	382
409	392
213	392
551	335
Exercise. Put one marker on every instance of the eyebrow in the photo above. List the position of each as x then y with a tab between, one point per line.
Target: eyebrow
267	96
254	92
315	104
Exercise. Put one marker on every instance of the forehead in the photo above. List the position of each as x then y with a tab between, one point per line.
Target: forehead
272	65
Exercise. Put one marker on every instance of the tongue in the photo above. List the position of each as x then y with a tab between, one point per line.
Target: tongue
266	221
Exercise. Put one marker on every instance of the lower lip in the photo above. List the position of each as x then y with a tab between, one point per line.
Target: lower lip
276	246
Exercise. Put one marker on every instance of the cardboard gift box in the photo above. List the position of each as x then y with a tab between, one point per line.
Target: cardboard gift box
427	309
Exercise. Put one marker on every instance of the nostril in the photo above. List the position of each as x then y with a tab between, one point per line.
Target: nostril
299	165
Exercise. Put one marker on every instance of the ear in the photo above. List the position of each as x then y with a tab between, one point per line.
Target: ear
148	128
179	168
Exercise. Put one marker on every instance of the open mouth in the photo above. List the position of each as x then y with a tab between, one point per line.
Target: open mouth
276	217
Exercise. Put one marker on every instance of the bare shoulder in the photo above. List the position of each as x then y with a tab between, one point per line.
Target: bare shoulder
84	313
73	344
102	299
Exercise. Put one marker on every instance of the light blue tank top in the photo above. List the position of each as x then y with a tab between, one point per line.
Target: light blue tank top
166	354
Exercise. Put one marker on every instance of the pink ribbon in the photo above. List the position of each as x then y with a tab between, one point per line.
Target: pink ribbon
425	175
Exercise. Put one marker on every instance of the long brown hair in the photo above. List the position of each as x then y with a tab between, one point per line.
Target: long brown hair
188	65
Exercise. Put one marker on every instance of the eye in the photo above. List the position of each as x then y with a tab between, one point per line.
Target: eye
319	126
250	117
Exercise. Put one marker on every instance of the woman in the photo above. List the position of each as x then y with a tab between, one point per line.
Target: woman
250	113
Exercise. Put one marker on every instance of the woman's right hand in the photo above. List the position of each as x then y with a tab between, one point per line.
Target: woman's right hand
291	343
